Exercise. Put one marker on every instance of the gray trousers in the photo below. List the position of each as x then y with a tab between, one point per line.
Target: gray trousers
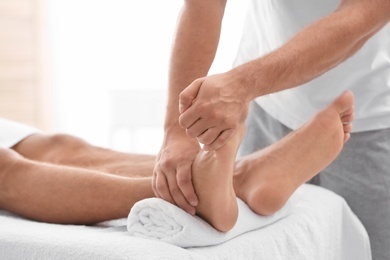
360	174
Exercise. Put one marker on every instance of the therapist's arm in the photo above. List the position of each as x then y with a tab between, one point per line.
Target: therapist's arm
318	48
222	100
194	48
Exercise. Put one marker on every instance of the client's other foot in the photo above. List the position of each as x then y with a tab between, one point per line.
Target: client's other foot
212	174
267	178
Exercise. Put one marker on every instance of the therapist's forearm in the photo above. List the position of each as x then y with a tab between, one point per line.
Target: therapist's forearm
194	48
316	49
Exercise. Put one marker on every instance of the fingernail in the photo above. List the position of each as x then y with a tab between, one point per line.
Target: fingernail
192	212
194	203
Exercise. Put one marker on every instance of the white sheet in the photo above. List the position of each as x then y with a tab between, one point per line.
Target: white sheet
12	132
321	227
158	219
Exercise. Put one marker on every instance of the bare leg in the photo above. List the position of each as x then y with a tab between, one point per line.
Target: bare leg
63	179
264	180
68	150
63	194
46	159
267	178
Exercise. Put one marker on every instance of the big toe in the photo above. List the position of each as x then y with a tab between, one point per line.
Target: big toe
344	105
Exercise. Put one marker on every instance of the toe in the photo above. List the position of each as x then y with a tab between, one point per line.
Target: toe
346	137
347	128
344	103
347	118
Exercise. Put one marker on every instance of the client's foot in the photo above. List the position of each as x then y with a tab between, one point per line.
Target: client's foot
267	178
213	181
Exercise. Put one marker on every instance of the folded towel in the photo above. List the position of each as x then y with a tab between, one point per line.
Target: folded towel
160	220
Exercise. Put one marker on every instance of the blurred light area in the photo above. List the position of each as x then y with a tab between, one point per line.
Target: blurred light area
98	48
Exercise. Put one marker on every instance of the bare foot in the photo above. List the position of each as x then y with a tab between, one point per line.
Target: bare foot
212	174
267	178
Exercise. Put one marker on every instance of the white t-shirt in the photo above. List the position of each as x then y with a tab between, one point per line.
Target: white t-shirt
270	23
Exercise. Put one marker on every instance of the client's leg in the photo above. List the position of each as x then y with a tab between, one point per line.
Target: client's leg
63	194
267	178
69	150
54	184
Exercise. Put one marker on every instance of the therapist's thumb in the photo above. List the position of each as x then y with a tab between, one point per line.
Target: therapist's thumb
189	94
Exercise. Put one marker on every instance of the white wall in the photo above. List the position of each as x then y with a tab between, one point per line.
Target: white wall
99	46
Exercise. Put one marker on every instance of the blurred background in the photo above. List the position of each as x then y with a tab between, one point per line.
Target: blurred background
96	69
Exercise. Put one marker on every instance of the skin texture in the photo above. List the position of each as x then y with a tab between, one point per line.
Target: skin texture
313	51
190	59
212	107
63	179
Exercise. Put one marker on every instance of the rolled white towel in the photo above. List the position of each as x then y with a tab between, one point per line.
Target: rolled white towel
160	220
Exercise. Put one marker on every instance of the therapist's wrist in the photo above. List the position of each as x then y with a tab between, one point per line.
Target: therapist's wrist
174	129
247	78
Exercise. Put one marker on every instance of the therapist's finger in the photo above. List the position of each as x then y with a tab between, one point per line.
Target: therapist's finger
184	180
222	139
189	117
162	188
209	136
197	128
154	181
178	196
188	95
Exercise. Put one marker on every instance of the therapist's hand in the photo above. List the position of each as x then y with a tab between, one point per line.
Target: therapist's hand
172	177
212	108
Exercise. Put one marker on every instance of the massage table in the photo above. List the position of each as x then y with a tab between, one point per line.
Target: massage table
320	226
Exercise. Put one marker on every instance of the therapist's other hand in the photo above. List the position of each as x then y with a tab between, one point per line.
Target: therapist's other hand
212	108
172	176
